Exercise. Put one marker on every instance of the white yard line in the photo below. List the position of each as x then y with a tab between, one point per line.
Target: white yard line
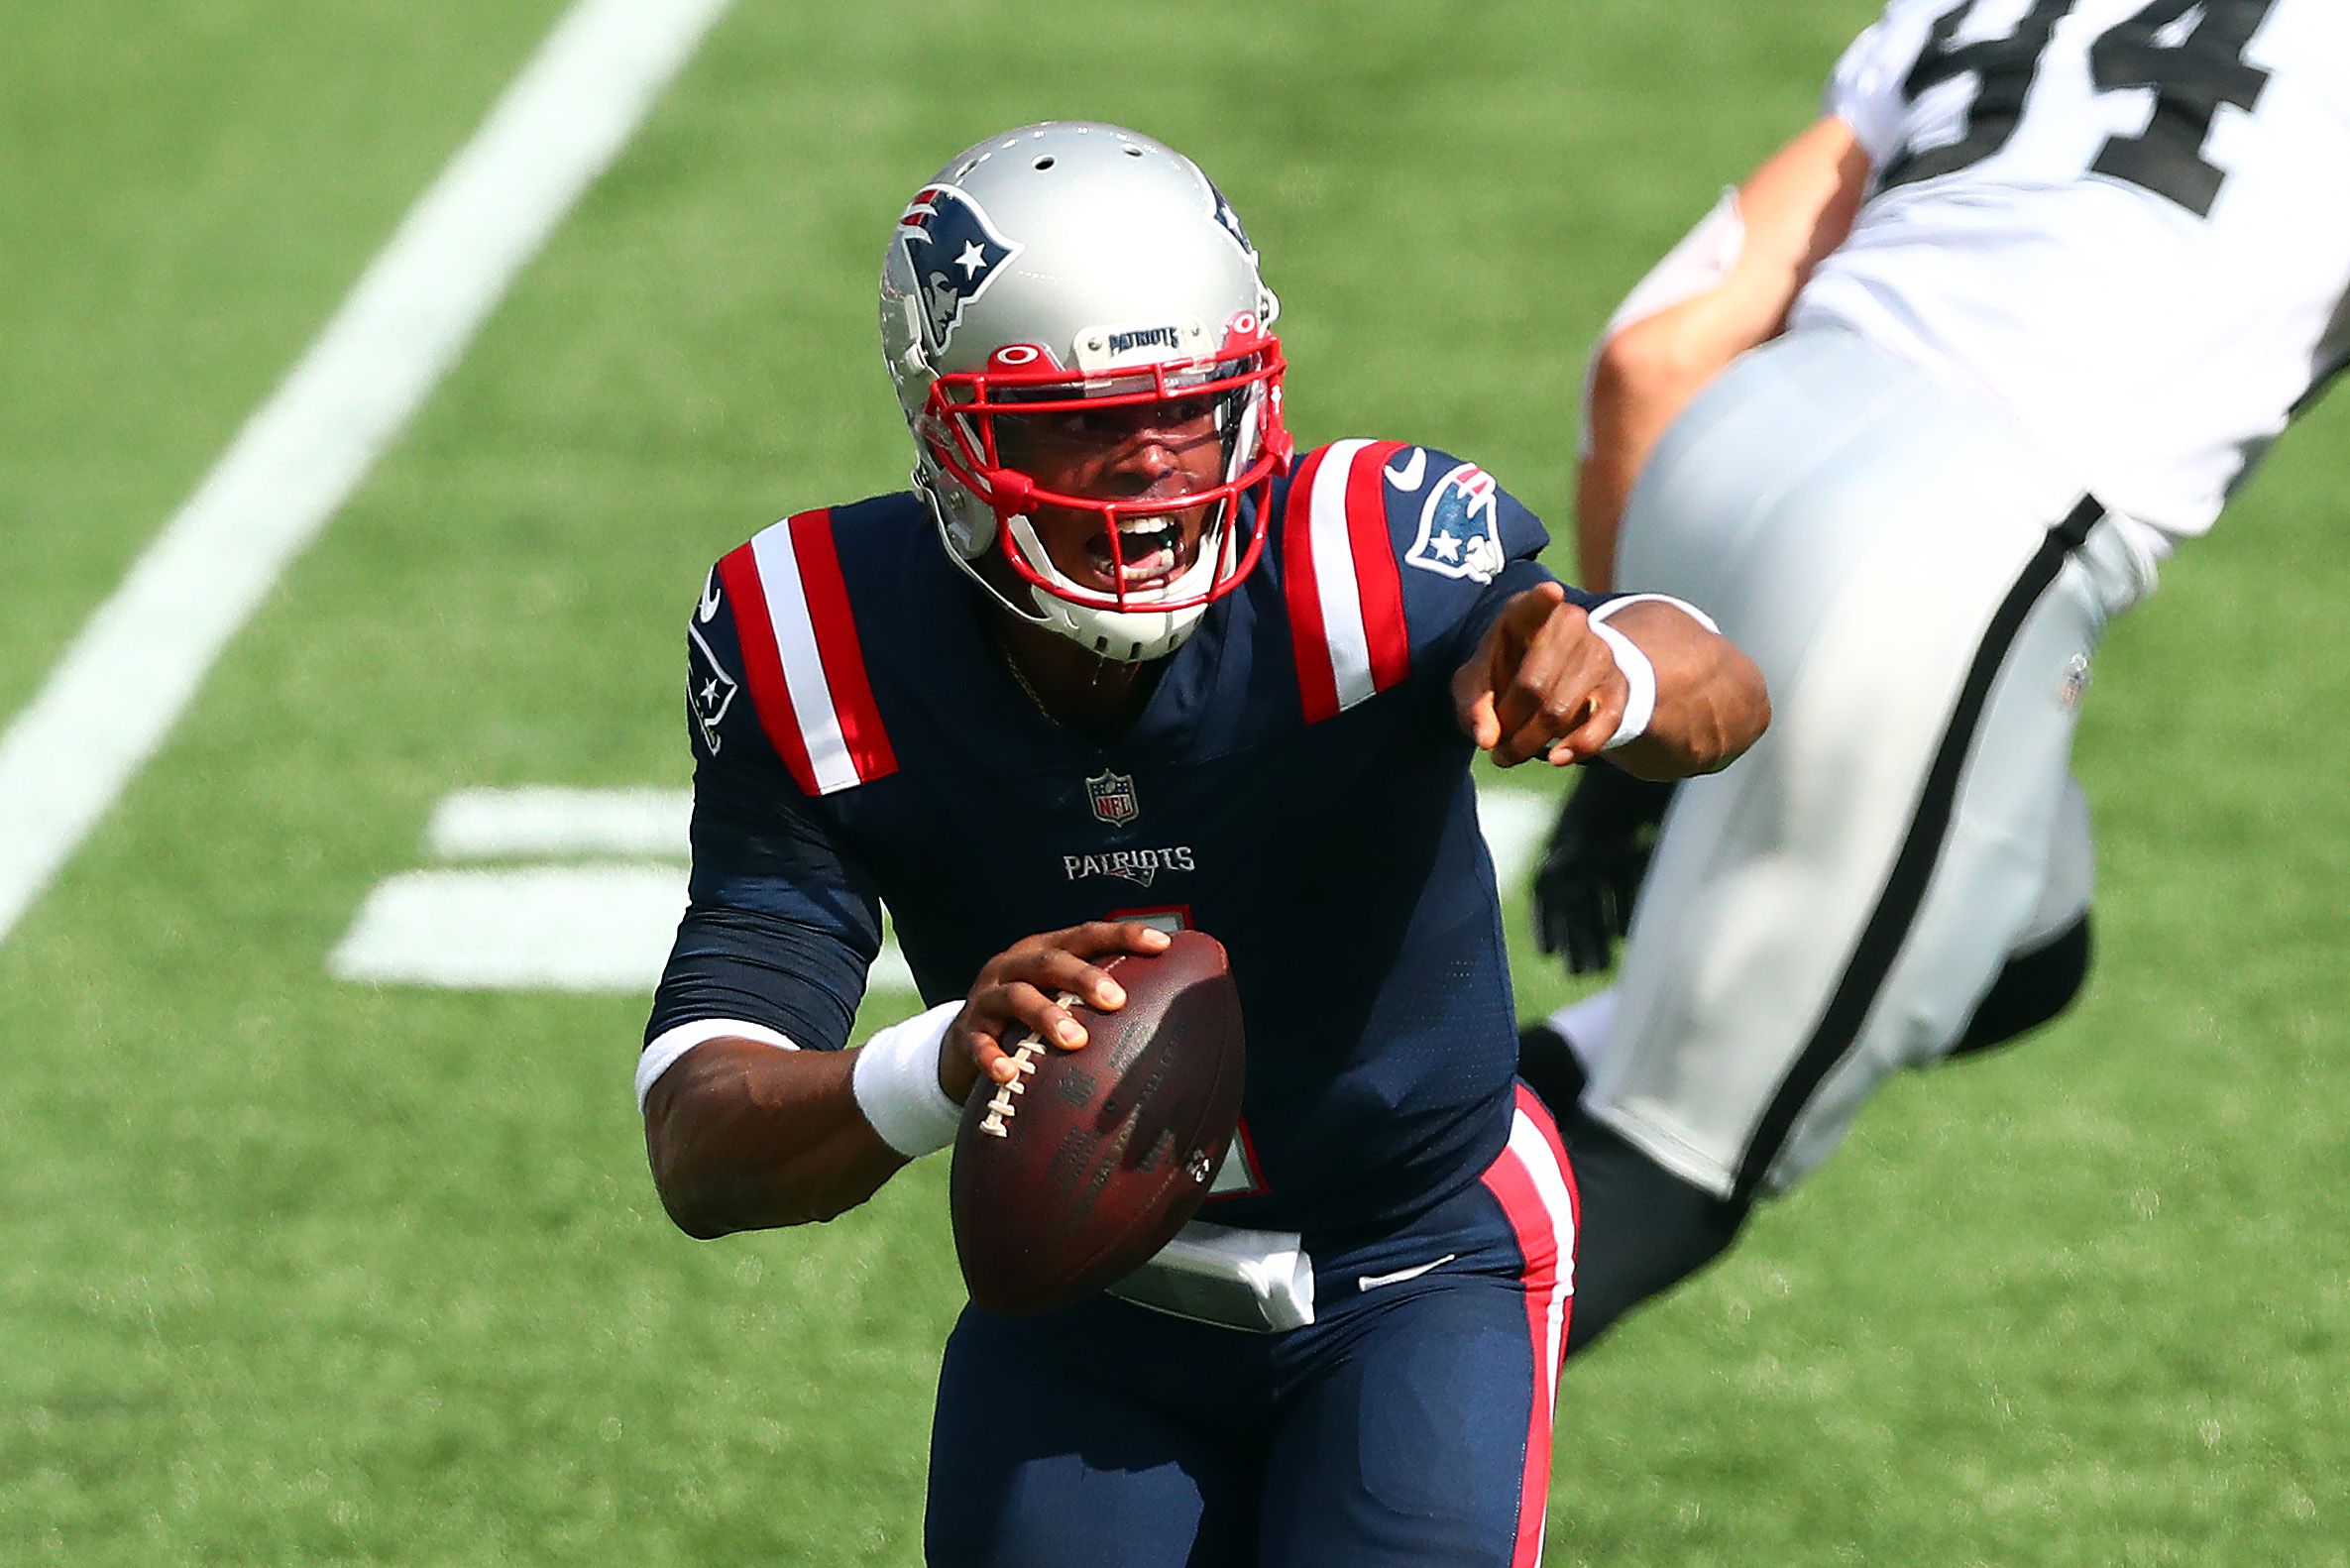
552	821
135	667
605	920
603	927
549	820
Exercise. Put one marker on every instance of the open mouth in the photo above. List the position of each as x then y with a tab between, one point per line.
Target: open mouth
1149	549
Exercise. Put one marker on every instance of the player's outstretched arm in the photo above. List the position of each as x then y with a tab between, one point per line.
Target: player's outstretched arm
1711	701
744	1136
1546	682
1719	293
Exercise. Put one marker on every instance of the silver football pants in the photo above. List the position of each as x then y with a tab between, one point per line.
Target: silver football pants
1924	591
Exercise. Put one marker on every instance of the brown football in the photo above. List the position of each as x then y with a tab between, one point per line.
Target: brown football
1083	1165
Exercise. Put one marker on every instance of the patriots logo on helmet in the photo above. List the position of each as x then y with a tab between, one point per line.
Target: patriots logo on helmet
1230	220
954	252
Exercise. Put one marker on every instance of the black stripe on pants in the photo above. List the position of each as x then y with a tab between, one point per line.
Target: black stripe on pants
1905	886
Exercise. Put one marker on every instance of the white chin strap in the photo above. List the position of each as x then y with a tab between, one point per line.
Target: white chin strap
1128	636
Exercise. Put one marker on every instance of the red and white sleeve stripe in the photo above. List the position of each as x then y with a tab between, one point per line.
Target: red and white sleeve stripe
1536	1190
801	656
1345	594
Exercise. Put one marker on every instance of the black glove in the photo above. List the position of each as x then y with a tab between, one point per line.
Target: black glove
1599	851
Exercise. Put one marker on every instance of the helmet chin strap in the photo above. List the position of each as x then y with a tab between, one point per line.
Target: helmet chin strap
1127	636
964	563
1131	637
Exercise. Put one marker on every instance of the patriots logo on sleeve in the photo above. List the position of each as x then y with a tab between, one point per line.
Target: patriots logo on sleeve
955	253
710	689
1460	527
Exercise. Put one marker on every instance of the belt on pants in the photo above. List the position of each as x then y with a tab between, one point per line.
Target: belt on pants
1256	1281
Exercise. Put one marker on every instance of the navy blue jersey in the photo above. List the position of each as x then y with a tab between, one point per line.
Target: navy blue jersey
1297	786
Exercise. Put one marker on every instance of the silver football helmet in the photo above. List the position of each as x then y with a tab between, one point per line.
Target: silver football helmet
1071	267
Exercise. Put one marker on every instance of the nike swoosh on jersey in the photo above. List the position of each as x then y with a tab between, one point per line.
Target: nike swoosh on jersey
1371	1282
1414	469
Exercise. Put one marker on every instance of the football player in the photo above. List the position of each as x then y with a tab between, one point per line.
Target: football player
1117	661
2032	297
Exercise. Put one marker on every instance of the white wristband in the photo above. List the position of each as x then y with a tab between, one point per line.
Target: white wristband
896	1084
1625	602
1639	680
1639	703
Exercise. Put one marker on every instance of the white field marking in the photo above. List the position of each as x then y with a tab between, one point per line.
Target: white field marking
1516	824
538	819
540	928
137	664
550	821
609	926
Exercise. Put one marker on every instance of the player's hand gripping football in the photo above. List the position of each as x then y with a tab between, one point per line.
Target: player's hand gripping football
1599	853
1016	992
1541	684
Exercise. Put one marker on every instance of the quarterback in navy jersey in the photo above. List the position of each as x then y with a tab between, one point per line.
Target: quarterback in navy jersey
1121	660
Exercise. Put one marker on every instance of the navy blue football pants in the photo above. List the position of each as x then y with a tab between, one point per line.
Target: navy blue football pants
1410	1423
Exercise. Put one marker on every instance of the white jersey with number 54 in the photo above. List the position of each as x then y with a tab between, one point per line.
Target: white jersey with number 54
2128	222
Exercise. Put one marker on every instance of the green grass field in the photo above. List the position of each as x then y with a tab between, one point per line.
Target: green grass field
300	1270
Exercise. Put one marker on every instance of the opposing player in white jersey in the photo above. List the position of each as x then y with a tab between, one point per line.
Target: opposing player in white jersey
2032	297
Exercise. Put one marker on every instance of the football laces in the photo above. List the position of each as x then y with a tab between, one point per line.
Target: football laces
997	1123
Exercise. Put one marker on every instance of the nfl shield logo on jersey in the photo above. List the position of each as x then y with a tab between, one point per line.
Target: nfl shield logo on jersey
1460	527
955	253
1112	795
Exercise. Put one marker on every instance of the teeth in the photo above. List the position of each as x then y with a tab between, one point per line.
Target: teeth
1146	548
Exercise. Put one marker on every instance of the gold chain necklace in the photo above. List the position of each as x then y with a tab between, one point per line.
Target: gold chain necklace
1013	664
1035	699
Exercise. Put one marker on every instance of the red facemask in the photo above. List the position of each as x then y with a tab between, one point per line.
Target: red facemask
1021	380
